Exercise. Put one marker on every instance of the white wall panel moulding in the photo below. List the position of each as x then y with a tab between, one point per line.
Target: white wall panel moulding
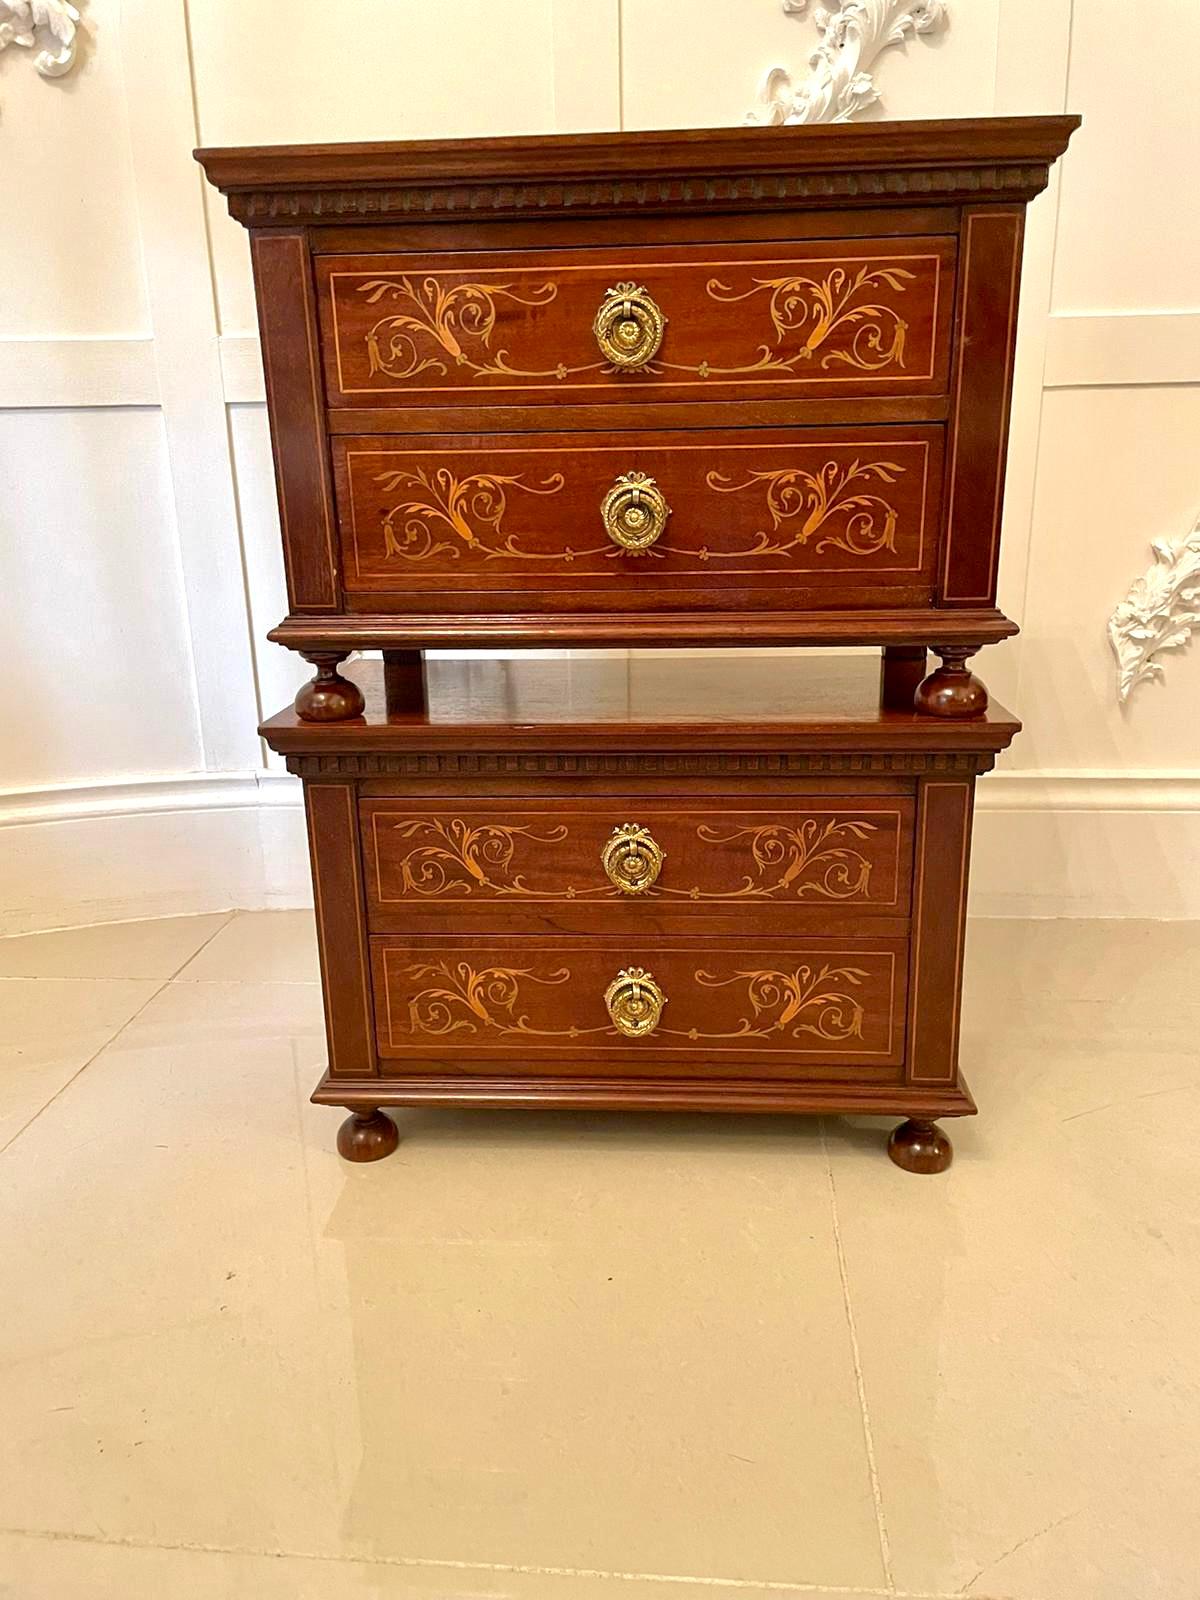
242	369
1148	791
157	65
144	796
77	374
1118	348
839	82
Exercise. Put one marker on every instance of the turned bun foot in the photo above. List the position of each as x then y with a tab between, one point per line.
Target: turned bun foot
328	697
919	1146
951	691
367	1136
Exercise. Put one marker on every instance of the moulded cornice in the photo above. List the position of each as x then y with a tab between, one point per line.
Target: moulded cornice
653	764
693	170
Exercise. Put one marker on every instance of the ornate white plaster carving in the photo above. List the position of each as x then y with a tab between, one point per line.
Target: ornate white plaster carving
1160	612
49	27
839	82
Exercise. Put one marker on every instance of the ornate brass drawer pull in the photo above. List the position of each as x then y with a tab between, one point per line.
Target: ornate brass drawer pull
631	858
635	1002
628	326
634	512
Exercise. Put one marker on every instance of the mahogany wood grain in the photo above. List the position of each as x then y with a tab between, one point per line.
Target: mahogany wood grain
836	297
901	670
951	690
512	864
627	413
367	1135
769	1007
329	697
787	521
581	1092
943	843
920	1146
559	227
295	400
507	630
341	927
820	317
764	706
985	340
405	686
710	169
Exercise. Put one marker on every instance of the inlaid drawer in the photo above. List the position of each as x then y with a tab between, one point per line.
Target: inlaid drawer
707	1007
672	322
642	863
627	516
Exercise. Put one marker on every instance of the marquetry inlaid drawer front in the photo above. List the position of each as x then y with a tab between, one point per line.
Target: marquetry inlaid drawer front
710	1007
629	514
640	863
831	317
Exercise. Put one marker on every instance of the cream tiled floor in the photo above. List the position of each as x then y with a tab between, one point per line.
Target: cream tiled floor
582	1356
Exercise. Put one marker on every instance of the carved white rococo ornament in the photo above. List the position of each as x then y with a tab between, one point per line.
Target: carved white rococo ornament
839	83
49	27
1160	612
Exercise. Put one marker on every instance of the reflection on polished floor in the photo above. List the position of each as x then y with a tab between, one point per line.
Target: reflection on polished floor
590	1356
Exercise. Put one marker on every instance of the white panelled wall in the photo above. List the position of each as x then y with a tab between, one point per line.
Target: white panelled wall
139	563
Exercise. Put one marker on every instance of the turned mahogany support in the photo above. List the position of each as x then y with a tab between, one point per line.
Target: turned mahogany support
328	697
367	1135
920	1146
405	685
950	690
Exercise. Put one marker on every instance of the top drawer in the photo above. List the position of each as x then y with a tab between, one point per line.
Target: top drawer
679	322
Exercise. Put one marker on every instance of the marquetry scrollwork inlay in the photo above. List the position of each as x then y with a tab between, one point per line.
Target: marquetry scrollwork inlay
814	858
842	317
840	79
470	509
50	28
452	856
834	502
461	998
809	1000
819	307
1160	612
437	325
454	859
457	998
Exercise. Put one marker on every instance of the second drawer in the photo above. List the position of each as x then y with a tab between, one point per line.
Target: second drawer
758	1008
644	862
779	517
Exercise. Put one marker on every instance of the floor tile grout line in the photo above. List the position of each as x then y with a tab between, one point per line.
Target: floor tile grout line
299	1099
524	1569
289	983
885	1549
114	922
112	1039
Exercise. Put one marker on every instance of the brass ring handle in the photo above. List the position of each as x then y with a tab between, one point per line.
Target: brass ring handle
631	858
635	1002
634	512
628	327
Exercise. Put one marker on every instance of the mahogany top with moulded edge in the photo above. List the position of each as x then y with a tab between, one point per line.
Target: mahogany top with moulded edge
761	703
881	163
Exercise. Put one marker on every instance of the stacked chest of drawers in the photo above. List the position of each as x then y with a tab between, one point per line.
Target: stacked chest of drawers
739	387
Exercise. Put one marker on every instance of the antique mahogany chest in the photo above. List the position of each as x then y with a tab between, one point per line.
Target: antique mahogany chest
730	387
